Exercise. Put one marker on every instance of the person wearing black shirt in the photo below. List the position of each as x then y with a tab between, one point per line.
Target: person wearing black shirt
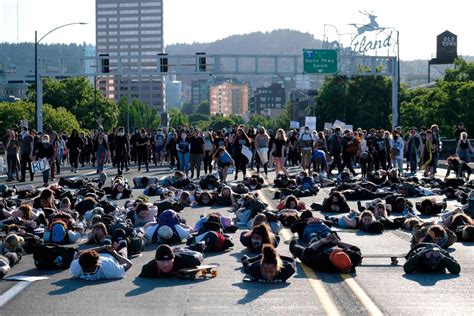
241	161
26	153
328	254
121	150
143	147
197	152
74	145
380	157
168	261
269	266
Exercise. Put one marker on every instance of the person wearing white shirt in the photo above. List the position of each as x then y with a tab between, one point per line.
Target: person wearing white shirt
100	263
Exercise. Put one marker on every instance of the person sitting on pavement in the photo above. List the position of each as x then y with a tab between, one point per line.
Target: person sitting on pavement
328	254
105	262
261	234
169	261
269	266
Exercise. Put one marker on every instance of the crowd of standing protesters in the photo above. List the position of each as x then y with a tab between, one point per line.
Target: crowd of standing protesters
197	152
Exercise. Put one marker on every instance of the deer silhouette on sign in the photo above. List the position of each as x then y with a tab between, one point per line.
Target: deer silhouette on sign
370	27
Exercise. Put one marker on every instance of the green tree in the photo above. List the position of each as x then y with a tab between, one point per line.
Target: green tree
220	122
187	108
177	118
196	117
78	96
363	101
60	119
203	108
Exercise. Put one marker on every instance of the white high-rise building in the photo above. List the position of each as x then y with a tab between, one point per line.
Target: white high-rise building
130	33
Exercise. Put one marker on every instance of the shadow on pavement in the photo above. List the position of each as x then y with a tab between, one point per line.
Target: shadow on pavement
145	285
72	284
429	279
256	289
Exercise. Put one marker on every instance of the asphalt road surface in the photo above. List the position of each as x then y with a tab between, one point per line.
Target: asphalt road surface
377	287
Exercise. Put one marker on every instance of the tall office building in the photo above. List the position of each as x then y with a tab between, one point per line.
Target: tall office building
129	33
199	91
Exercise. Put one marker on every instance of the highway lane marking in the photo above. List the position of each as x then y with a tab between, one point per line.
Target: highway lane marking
363	297
13	291
318	286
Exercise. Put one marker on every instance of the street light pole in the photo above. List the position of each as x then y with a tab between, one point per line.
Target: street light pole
38	83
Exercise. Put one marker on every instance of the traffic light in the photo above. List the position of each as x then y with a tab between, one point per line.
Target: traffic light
163	63
104	64
201	62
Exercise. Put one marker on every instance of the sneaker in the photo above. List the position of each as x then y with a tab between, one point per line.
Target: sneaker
244	258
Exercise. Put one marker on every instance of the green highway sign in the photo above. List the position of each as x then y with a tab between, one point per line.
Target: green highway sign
319	61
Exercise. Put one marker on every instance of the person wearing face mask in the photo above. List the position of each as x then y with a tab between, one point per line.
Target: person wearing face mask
196	156
74	146
45	150
143	146
121	150
133	145
335	149
183	148
306	144
159	147
26	153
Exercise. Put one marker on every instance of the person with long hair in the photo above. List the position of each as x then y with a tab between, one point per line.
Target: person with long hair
464	147
261	147
209	149
427	150
12	147
269	266
261	234
241	139
223	161
279	152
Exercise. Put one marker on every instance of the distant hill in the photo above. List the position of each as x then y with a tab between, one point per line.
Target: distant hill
283	41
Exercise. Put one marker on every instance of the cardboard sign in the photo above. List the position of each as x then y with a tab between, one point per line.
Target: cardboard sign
40	165
294	124
247	153
310	121
327	125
